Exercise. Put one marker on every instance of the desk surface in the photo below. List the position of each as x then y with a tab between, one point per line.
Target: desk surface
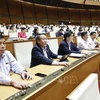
46	69
8	91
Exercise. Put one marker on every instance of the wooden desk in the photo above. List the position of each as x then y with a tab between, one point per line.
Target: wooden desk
59	87
6	37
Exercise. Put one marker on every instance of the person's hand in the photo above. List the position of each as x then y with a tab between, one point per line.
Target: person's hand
19	85
66	64
22	39
26	75
59	56
97	49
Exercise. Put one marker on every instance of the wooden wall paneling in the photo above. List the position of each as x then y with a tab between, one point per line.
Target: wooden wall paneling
41	14
63	13
85	16
57	12
98	21
95	14
4	14
74	15
46	14
29	15
15	10
80	15
52	15
98	15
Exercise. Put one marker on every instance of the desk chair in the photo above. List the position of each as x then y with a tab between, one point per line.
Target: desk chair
87	90
53	44
13	34
23	53
28	34
6	32
52	34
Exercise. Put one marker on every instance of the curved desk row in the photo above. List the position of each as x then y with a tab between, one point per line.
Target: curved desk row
59	82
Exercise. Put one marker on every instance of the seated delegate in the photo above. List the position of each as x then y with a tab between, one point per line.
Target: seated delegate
41	53
8	63
67	46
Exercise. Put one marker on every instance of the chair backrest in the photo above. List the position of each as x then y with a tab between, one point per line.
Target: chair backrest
87	90
28	34
78	39
23	53
52	34
6	32
53	44
13	34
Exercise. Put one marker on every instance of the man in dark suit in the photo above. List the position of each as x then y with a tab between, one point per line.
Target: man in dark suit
67	46
41	53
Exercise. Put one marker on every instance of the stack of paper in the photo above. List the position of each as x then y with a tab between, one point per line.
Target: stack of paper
77	55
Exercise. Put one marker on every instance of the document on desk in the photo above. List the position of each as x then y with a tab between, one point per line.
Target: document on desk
89	51
77	55
93	51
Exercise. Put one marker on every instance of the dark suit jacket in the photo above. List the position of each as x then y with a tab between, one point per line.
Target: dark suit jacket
37	56
64	48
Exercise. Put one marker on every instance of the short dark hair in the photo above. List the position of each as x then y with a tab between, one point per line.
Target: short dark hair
92	33
37	38
67	34
23	28
11	26
61	29
35	29
1	36
83	34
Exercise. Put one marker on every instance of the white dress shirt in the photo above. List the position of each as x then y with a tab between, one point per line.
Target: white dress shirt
93	42
69	44
8	63
84	45
54	62
45	53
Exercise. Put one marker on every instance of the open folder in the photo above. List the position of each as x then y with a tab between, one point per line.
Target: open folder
77	55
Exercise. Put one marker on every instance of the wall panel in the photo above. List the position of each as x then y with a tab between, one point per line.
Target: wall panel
95	14
63	13
4	14
85	16
74	15
52	15
41	14
15	11
28	12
